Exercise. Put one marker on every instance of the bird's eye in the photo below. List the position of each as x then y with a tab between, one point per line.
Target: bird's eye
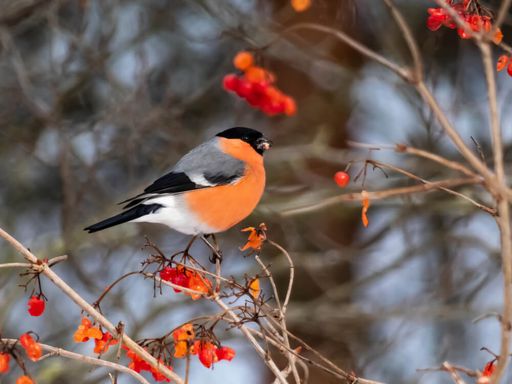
245	138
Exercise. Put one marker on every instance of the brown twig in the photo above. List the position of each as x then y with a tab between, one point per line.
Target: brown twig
402	72
381	195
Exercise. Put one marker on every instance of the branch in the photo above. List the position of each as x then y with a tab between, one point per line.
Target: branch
380	195
503	219
54	351
74	296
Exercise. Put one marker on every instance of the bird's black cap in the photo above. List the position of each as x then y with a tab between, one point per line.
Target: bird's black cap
253	137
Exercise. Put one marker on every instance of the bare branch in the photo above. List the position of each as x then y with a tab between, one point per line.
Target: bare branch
54	351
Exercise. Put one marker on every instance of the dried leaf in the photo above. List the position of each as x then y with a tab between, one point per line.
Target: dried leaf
256	237
366	205
254	288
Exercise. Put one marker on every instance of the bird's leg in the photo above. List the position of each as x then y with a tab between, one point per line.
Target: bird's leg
185	252
215	259
216	252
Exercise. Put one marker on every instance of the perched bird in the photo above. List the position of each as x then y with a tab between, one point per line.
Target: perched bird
212	188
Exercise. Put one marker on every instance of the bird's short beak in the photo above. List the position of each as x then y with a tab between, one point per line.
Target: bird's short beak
263	144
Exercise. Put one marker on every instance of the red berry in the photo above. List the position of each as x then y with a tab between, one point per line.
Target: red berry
244	88
167	273
225	353
502	62
230	82
180	278
509	68
35	306
341	178
254	99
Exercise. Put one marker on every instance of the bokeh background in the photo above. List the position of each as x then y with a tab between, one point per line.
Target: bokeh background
98	98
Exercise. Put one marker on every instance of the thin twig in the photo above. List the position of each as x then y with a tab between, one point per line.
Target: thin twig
502	14
292	275
450	191
246	332
119	337
453	372
381	195
402	72
409	39
282	317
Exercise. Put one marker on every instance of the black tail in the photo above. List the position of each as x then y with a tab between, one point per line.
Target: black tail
129	215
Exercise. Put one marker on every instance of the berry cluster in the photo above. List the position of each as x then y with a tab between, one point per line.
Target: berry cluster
102	340
207	352
139	365
470	11
256	86
186	278
32	349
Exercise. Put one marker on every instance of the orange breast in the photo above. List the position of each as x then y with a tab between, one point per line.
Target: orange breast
224	206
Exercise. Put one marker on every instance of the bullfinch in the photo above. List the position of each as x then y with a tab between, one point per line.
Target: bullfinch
212	188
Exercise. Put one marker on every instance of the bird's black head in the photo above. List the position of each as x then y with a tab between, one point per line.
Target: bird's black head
251	136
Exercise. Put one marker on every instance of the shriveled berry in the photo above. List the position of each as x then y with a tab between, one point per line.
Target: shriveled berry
4	362
502	62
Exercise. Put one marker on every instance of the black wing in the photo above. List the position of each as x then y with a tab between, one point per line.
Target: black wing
172	182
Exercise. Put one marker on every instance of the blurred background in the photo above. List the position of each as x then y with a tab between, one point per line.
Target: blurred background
98	98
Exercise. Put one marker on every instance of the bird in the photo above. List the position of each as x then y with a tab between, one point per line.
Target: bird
209	190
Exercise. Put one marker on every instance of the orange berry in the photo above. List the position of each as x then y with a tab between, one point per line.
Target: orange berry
243	60
24	380
256	74
4	362
301	5
290	108
498	36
